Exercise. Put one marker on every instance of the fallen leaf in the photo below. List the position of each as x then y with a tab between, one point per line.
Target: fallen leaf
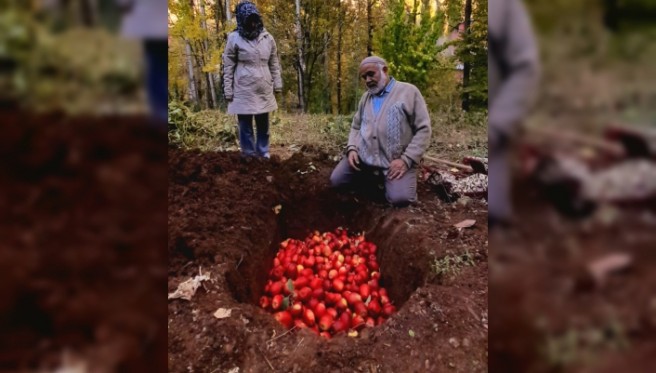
353	333
411	333
607	215
277	209
187	289
611	263
269	179
588	153
465	223
464	201
222	313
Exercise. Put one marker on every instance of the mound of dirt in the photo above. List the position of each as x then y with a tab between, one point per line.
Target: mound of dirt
82	244
227	216
550	313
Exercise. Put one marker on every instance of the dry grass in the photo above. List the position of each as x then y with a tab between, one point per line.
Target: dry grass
455	134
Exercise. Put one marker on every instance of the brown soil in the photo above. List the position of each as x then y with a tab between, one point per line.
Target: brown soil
221	221
541	294
81	243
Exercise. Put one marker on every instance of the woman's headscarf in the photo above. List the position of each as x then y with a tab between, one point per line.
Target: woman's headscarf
244	11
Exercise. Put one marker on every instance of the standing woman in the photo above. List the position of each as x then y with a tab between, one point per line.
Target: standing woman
251	74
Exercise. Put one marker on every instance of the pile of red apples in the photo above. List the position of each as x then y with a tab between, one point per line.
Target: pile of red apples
328	283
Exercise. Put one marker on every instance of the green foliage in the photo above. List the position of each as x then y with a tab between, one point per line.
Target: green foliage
584	345
472	50
407	41
75	70
16	40
451	264
337	129
208	130
334	37
454	13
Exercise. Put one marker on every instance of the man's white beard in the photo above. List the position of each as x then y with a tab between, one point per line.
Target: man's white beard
380	86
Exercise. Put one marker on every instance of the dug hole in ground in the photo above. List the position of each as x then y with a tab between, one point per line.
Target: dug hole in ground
227	219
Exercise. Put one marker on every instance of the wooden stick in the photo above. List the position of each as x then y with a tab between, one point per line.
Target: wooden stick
286	332
644	132
573	137
448	163
267	360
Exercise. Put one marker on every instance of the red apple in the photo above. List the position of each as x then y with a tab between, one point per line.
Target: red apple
341	304
338	285
353	298
284	317
389	309
374	307
296	309
299	324
301	282
339	326
276	287
265	302
357	322
316	283
360	309
319	309
365	291
318	293
304	293
308	317
325	322
276	302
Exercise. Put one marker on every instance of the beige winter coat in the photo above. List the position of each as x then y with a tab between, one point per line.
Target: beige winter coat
251	73
513	65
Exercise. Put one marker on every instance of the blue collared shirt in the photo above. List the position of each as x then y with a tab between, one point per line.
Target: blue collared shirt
377	99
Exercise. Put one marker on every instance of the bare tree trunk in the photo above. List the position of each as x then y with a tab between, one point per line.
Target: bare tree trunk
89	12
210	77
193	94
300	65
340	30
227	10
415	9
467	67
327	104
370	27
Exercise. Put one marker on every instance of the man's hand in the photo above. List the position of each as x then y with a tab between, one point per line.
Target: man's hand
397	169
353	159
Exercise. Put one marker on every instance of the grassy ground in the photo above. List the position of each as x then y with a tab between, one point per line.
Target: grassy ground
455	134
